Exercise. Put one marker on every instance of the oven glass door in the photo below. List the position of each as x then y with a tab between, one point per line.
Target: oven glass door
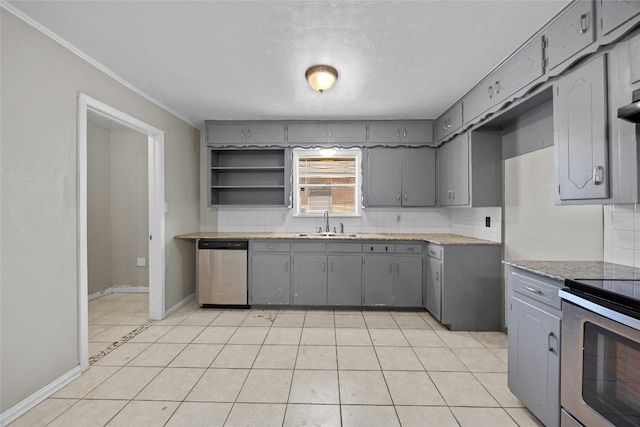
611	375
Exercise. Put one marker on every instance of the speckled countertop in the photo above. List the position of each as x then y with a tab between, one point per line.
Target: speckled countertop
561	270
441	239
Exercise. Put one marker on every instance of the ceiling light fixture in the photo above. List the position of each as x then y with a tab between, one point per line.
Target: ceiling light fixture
321	77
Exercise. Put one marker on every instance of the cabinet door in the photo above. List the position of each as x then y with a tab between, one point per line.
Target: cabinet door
417	133
345	280
616	12
378	279
347	133
309	133
270	279
570	33
449	122
459	170
226	134
265	133
310	280
419	176
534	360
384	177
434	288
522	69
479	100
445	183
407	291
384	132
580	121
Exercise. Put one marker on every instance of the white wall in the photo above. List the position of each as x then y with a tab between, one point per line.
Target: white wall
40	83
622	234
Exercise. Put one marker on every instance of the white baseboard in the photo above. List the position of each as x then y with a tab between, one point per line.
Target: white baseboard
179	304
32	401
118	289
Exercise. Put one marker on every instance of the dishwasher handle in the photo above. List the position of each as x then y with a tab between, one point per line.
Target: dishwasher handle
223	244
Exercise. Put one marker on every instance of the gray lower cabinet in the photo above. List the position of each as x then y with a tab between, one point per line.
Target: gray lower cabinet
534	344
270	272
344	284
467	279
581	137
310	279
393	275
400	177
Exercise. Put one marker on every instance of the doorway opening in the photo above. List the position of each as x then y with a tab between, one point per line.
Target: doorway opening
147	162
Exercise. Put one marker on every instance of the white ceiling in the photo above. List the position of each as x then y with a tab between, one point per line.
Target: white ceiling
246	59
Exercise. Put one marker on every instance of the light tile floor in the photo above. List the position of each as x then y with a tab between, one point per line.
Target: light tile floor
113	316
207	367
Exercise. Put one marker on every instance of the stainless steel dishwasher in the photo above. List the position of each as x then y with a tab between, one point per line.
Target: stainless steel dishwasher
222	273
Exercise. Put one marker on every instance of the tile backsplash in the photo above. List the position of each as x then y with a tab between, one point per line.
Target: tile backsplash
465	221
622	234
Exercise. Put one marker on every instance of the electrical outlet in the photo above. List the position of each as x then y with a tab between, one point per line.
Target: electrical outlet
398	218
487	221
141	262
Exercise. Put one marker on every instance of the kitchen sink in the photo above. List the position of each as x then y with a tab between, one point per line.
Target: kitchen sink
325	235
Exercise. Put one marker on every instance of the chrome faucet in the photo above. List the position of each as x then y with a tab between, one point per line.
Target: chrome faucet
326	219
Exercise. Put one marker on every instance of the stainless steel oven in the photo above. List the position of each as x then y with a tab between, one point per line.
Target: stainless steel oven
600	359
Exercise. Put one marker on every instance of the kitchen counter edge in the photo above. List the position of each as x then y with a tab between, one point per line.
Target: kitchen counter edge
561	270
440	239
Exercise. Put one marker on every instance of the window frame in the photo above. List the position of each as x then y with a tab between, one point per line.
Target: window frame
298	153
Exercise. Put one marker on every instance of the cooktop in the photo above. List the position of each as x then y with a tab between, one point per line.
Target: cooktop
622	293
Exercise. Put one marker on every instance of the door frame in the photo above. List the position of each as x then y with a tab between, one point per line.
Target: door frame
155	158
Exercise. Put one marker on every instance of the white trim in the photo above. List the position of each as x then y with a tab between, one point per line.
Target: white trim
180	304
47	32
119	289
156	215
30	402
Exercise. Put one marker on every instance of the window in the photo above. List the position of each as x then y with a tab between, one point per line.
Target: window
327	180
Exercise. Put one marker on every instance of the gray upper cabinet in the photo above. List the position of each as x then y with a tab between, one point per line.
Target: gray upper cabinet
401	133
320	133
470	170
516	73
614	13
449	122
571	32
400	177
250	133
581	140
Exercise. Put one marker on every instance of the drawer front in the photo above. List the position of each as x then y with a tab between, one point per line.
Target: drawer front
379	248
408	248
310	247
536	289
270	246
345	247
434	251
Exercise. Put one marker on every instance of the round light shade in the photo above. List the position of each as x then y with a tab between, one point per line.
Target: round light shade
321	77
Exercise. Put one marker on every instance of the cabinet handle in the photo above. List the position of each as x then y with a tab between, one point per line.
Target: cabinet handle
286	266
453	194
598	175
410	249
406	196
432	252
390	268
248	133
497	87
533	290
584	22
490	91
331	267
449	194
437	276
322	266
398	196
404	134
397	268
271	247
551	335
242	133
398	133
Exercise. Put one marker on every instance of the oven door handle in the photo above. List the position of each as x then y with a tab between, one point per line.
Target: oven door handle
604	311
